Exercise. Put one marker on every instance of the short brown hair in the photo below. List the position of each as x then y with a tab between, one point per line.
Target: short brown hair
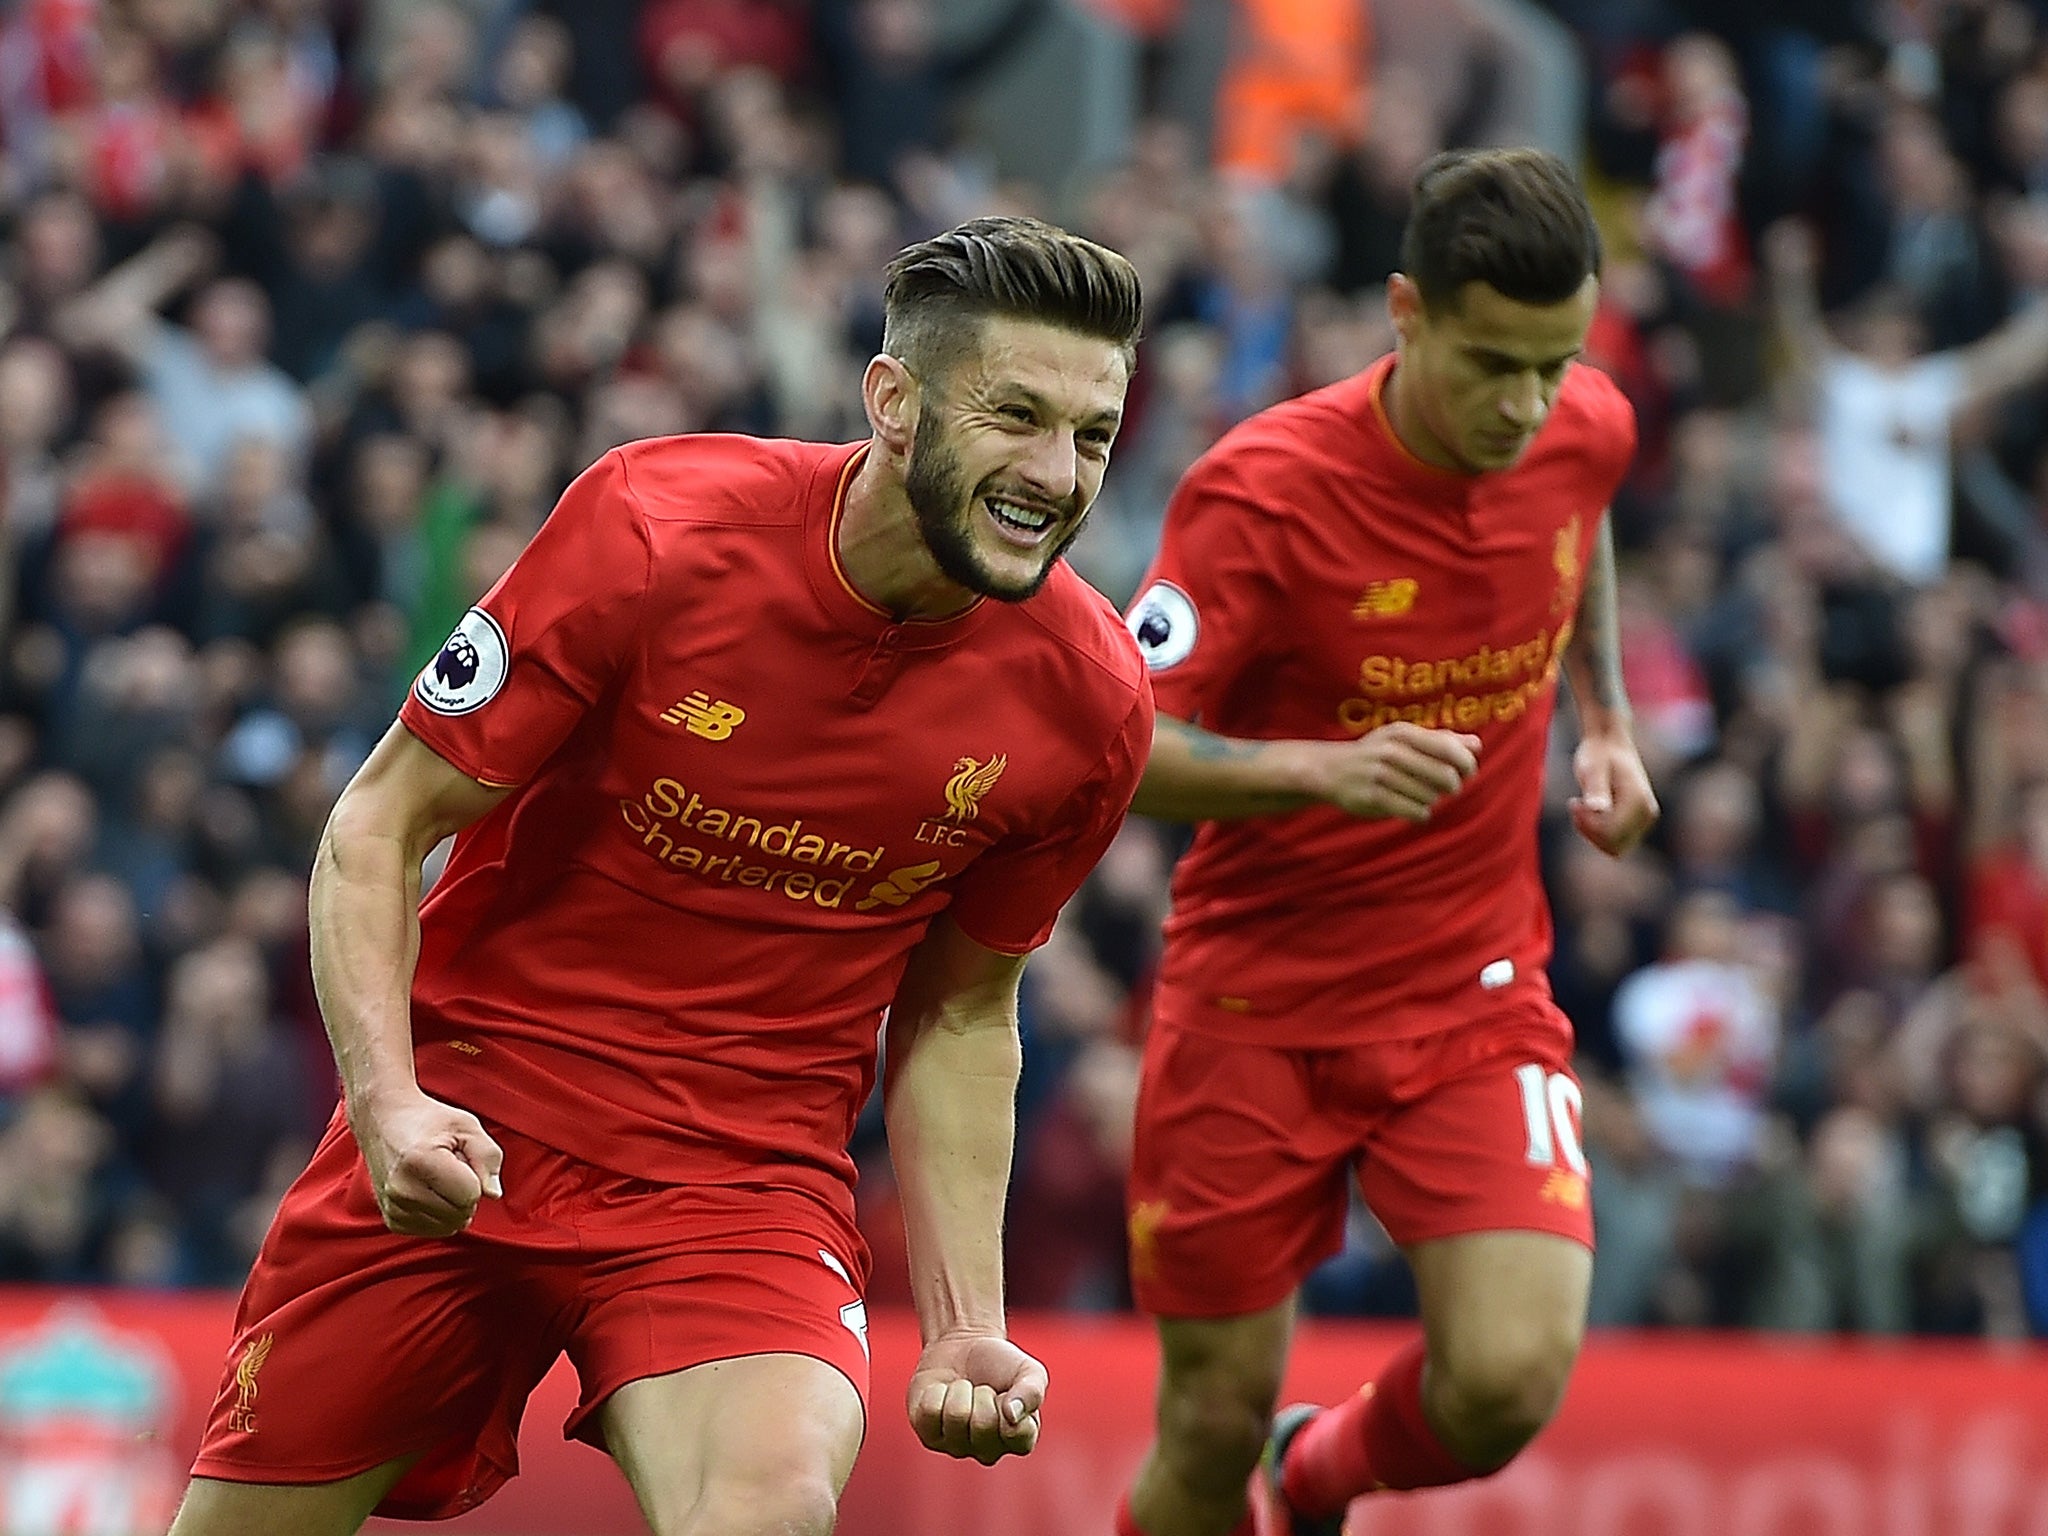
1514	219
941	289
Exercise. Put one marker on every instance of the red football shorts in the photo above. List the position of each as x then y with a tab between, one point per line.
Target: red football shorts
1238	1178
355	1346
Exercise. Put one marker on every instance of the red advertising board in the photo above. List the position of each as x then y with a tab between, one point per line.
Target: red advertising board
101	1396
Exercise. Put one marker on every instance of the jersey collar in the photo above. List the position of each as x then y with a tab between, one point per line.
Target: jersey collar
835	592
1417	472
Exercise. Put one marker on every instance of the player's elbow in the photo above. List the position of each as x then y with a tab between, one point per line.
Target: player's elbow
370	840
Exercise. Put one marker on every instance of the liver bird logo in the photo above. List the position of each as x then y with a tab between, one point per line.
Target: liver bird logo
971	780
242	1417
252	1362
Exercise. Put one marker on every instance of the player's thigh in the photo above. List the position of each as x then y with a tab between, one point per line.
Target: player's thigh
1479	1175
747	1447
1504	1314
687	1275
1237	1186
1482	1136
215	1508
723	1335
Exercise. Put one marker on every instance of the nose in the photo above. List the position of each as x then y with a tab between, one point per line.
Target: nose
1053	466
1522	404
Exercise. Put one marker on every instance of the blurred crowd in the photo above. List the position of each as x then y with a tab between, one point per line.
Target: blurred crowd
309	309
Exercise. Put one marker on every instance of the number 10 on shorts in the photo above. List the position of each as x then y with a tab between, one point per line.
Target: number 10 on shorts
1552	1104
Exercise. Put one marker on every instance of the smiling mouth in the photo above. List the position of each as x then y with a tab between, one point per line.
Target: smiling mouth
1018	522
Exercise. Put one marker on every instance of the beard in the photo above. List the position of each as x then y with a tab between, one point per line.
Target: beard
946	509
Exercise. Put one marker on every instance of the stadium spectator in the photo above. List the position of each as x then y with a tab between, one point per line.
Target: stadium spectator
56	1175
1885	406
99	981
227	1101
1699	1035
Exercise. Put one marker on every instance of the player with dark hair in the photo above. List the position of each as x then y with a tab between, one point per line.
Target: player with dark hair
1357	618
738	756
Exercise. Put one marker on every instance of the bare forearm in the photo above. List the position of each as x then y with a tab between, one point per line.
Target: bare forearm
2011	357
1796	318
1592	662
121	309
365	933
1196	775
951	1109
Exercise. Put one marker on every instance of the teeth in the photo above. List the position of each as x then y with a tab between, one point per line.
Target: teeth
1019	517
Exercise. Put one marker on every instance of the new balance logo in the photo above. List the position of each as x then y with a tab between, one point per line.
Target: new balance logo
702	715
1386	599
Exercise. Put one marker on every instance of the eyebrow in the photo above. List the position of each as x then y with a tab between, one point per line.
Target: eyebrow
1491	356
1025	395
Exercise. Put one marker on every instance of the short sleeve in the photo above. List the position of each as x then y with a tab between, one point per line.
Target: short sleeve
1008	899
528	662
1212	601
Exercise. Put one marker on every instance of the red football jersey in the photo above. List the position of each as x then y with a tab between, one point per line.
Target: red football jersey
744	792
1316	580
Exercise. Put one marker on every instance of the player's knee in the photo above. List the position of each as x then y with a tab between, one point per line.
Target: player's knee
1496	1399
791	1503
1213	1424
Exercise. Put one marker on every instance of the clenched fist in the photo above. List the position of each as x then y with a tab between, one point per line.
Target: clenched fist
430	1163
1400	770
976	1395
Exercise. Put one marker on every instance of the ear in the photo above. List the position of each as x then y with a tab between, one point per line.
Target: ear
891	398
1404	307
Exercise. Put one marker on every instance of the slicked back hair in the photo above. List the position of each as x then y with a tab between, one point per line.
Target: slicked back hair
941	290
1514	219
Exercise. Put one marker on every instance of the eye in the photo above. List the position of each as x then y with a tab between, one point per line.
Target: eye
1097	441
1020	414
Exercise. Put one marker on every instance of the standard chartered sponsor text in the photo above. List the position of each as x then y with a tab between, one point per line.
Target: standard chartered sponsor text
1451	692
673	826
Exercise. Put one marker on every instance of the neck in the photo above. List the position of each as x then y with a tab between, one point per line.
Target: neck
883	554
1404	415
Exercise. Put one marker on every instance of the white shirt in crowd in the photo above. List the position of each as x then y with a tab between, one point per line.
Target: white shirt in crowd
1884	442
1701	1041
206	411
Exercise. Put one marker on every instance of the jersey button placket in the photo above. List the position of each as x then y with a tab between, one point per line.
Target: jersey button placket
879	669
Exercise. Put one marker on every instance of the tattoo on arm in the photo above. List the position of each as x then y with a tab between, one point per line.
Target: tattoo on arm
1207	746
1596	643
